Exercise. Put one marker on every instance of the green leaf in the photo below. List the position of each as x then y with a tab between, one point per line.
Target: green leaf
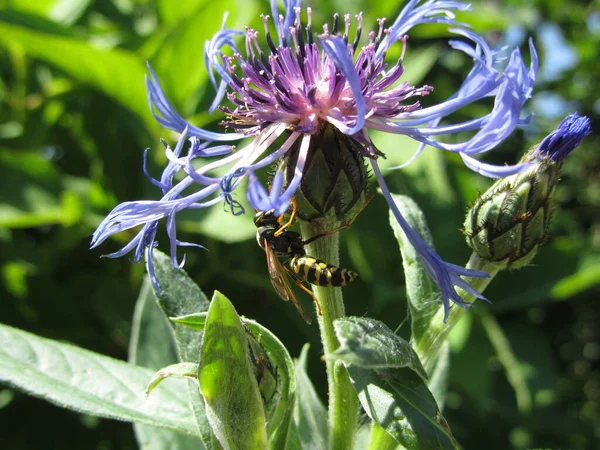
87	382
33	194
40	7
388	376
152	345
180	296
586	277
152	342
64	11
380	439
370	344
362	438
310	415
281	407
170	14
153	438
227	380
115	72
424	298
399	401
179	370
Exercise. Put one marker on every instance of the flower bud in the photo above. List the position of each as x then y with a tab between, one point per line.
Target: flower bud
509	223
335	176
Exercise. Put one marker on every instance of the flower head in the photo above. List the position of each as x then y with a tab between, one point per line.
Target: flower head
299	84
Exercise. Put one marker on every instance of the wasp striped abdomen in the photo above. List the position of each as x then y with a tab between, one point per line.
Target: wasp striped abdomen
319	272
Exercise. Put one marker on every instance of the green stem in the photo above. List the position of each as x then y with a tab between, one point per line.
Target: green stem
430	344
343	400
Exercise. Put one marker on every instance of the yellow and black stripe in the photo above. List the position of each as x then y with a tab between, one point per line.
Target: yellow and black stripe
319	272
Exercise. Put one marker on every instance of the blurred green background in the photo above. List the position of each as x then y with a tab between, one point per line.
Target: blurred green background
74	122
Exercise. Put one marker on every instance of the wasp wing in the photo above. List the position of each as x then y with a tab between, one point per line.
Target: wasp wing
280	281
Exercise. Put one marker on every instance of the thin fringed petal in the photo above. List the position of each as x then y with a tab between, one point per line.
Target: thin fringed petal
172	233
261	200
129	215
169	118
283	29
491	170
515	90
213	59
130	246
289	192
446	275
228	184
278	199
511	89
410	16
337	49
562	141
221	91
481	81
153	180
212	50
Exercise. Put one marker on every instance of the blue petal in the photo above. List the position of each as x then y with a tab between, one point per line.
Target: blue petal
169	118
263	201
491	170
445	275
228	183
154	181
562	141
213	59
152	271
288	18
202	149
429	12
511	90
337	49
129	215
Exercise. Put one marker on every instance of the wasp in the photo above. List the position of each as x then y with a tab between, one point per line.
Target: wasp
277	242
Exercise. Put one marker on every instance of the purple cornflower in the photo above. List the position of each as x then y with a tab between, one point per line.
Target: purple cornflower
287	92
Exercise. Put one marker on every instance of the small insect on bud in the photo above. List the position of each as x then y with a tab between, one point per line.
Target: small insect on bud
509	223
266	375
335	179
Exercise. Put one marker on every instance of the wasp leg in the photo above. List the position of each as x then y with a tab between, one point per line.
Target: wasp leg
304	288
289	222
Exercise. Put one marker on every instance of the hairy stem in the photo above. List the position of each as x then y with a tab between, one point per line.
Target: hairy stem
343	400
